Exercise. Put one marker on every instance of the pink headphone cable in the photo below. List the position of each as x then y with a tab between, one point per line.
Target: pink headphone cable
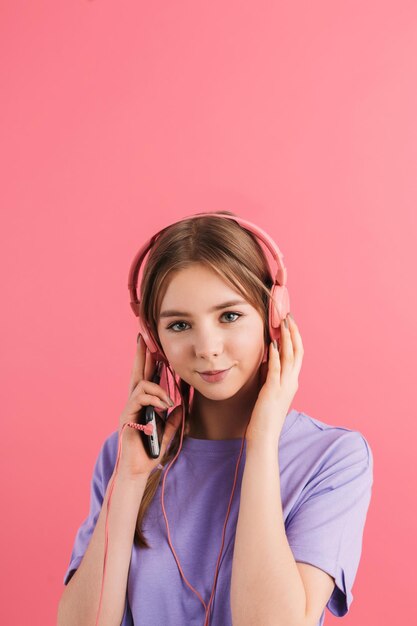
278	308
148	429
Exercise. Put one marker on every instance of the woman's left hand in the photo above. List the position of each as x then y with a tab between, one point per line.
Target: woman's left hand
279	379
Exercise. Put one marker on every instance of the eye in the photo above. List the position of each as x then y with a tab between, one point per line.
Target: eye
170	327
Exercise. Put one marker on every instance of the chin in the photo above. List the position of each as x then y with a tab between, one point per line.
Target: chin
224	391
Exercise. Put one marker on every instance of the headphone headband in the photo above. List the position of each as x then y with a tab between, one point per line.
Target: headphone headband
281	273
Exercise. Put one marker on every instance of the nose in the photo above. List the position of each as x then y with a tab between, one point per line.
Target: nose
207	346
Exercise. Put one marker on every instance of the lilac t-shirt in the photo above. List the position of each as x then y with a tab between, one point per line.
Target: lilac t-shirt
326	476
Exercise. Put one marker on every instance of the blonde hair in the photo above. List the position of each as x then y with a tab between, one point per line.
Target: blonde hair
232	252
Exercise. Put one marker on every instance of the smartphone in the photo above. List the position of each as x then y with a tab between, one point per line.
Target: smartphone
157	417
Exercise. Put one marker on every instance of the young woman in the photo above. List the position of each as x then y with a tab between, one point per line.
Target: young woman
266	506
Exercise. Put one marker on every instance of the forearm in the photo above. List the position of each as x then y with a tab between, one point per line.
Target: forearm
266	587
79	602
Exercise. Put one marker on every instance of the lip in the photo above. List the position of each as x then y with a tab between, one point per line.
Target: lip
216	376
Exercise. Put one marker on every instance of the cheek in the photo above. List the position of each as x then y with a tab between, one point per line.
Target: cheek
251	341
174	350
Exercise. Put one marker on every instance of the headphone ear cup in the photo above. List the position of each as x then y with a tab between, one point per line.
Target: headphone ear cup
279	307
149	342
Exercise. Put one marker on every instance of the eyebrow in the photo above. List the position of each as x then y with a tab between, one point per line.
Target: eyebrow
224	305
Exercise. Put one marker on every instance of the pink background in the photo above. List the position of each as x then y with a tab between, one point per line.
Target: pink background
118	118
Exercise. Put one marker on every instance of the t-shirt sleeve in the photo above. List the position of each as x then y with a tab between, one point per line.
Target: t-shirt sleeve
102	472
325	527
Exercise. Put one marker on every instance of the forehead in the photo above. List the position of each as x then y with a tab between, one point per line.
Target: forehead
197	289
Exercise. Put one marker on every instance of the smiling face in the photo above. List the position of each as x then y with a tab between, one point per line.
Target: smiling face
203	337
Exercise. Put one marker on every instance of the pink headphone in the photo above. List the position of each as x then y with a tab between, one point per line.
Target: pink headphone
279	293
278	310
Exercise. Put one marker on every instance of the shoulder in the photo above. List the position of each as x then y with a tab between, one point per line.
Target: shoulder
318	440
110	444
108	449
106	458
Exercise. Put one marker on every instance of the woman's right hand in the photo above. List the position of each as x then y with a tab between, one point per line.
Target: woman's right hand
134	460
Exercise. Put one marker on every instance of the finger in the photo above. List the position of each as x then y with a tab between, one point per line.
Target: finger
287	349
137	373
297	343
171	426
274	361
150	364
287	352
